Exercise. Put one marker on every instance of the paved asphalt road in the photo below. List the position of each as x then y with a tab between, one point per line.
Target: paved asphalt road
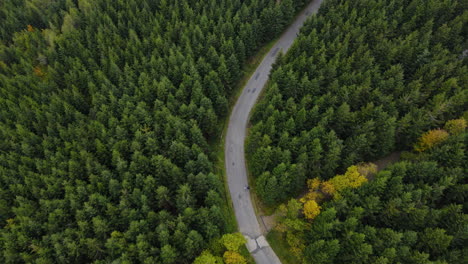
234	149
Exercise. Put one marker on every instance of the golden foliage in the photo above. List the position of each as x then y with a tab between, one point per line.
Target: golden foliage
311	209
430	139
313	184
312	195
232	257
455	126
351	179
328	188
30	28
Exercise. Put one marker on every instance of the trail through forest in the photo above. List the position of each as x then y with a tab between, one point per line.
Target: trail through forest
234	148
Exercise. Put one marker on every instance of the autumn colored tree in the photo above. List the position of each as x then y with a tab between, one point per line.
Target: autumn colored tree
362	80
328	188
232	257
311	209
313	184
431	138
351	179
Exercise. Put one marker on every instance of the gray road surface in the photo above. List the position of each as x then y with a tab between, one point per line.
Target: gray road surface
234	148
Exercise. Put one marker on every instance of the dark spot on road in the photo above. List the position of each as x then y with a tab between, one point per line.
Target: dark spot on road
254	90
307	13
248	90
233	164
274	52
256	76
239	196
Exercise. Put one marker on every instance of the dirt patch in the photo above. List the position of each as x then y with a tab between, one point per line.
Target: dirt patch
388	160
268	222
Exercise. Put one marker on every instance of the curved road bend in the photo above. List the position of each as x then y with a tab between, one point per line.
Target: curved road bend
234	148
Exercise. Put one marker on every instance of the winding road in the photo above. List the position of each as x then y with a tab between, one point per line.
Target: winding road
235	137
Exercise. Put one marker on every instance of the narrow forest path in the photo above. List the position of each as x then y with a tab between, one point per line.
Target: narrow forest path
235	137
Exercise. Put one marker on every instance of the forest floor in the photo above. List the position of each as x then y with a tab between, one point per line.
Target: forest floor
388	160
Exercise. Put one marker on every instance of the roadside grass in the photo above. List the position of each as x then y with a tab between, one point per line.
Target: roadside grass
281	248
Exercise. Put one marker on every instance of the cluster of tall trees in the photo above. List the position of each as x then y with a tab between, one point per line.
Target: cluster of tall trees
415	211
106	108
363	79
412	212
229	246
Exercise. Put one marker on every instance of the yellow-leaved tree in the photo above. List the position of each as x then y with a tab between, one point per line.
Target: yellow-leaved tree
351	179
328	188
430	139
313	193
313	184
232	257
311	209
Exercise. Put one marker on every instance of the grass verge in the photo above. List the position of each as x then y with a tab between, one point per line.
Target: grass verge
278	244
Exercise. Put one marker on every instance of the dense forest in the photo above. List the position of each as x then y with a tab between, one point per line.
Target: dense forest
363	79
106	111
